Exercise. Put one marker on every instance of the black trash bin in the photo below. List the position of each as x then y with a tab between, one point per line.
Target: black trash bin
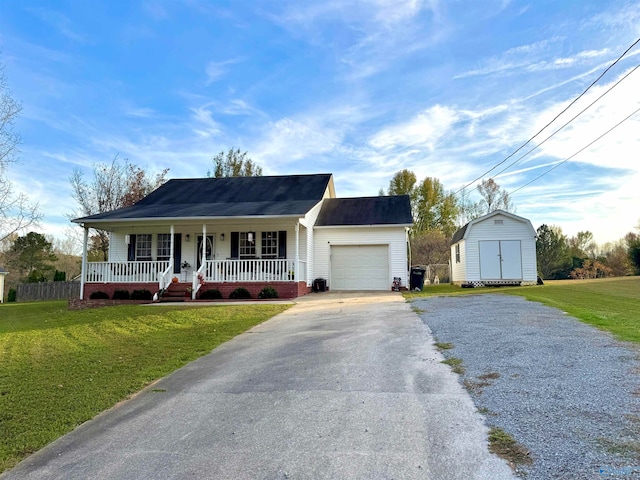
319	285
416	279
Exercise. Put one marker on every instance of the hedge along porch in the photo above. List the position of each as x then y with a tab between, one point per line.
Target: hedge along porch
230	232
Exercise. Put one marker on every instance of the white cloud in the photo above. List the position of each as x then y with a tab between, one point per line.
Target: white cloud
288	140
424	129
215	70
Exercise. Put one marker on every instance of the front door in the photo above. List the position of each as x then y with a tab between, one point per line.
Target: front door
209	249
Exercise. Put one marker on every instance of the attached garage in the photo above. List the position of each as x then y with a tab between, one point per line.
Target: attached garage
359	267
497	249
362	243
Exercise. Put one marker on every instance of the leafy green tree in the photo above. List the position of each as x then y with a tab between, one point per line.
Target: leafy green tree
32	256
432	207
403	183
435	209
633	250
552	253
234	164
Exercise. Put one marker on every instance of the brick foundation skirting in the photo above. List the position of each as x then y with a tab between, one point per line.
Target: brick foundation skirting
286	290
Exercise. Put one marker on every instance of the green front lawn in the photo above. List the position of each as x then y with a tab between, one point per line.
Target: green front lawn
59	368
612	304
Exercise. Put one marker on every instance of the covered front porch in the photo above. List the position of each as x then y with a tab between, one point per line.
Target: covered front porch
222	256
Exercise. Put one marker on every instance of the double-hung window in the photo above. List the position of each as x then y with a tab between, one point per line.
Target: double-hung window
269	244
143	247
164	246
247	245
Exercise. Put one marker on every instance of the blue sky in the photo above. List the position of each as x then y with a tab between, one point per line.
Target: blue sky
360	89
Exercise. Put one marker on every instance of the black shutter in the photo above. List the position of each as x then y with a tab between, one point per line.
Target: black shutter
282	244
235	244
131	252
177	252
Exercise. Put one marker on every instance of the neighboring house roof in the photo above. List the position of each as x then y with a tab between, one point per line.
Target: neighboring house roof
462	233
381	210
3	271
289	195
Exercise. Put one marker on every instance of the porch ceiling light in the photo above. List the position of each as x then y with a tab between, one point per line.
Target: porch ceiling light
222	237
187	237
250	236
127	239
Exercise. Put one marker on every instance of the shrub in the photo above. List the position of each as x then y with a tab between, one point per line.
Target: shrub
240	293
268	292
59	276
99	295
121	295
11	295
211	294
141	295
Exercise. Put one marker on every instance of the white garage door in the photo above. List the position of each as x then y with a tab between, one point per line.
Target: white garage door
360	267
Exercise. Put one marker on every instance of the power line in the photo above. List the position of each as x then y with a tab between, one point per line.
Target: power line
579	151
554	119
567	123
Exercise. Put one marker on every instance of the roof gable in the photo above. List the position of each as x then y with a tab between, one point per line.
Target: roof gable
463	232
381	210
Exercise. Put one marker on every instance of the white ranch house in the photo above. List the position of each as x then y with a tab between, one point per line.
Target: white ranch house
281	231
496	249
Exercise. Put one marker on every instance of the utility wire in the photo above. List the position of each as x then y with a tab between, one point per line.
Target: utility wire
562	127
579	151
554	119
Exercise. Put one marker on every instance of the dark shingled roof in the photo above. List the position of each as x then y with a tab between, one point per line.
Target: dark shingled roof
393	210
2	270
459	234
225	197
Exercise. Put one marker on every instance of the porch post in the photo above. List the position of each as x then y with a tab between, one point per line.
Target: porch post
173	231
204	244
297	259
83	273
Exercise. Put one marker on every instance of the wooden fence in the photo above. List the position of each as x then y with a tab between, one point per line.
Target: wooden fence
33	292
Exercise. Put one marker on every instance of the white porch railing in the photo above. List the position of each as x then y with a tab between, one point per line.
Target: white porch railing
258	270
255	270
126	272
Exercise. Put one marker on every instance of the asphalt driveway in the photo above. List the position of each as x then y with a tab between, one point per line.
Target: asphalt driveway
339	386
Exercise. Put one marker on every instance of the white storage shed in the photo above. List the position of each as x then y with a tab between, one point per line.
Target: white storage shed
496	249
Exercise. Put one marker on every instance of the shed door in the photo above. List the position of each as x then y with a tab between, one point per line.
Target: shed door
359	267
490	260
500	260
511	259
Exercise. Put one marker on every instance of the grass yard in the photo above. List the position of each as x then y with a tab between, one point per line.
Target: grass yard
59	368
612	304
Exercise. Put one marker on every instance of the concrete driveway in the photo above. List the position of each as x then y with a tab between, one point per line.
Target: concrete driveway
340	386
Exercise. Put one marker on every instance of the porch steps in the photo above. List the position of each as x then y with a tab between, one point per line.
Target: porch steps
176	292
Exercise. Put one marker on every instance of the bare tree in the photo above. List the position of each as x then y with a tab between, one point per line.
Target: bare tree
430	247
234	164
115	185
16	212
494	197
